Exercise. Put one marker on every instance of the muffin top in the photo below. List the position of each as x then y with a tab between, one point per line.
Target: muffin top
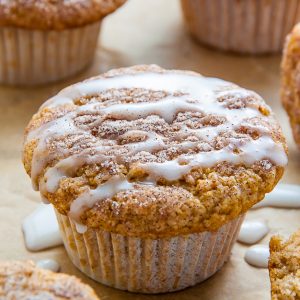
149	152
54	14
23	280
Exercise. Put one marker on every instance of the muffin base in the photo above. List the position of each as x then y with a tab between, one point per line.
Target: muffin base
148	265
253	27
32	57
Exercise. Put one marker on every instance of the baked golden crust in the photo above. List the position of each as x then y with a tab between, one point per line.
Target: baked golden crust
203	199
284	267
56	15
290	84
23	280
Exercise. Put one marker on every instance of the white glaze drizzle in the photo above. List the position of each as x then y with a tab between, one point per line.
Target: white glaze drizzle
283	195
166	109
80	228
103	191
69	165
188	88
250	152
52	129
200	87
258	256
252	232
48	264
41	229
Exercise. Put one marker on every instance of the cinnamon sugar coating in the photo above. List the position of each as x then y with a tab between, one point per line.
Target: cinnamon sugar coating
290	84
202	199
284	267
23	280
54	14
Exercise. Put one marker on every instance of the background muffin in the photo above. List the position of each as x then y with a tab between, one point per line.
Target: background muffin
151	171
43	41
290	88
245	26
23	280
284	267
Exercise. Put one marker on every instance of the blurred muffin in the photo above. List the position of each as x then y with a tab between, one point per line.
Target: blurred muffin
245	26
44	41
284	267
23	280
290	84
151	171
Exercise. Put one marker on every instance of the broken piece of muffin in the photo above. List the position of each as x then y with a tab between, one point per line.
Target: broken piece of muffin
284	267
23	280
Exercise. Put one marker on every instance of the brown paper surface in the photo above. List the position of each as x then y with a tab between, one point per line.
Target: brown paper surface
144	32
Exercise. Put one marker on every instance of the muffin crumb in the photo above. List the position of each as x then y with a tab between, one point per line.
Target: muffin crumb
284	267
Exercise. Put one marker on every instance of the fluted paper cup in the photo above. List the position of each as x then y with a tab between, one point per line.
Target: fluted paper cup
148	265
32	57
244	26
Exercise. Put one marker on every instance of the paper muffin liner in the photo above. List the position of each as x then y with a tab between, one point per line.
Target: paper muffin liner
148	265
246	26
31	57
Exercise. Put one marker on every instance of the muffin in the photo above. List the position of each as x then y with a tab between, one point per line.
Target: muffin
151	171
290	88
244	26
44	41
23	280
284	267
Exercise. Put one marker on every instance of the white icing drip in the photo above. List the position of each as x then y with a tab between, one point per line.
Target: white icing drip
67	167
41	229
80	228
103	191
256	150
168	109
284	196
154	142
237	121
252	231
48	264
62	169
52	129
201	88
258	256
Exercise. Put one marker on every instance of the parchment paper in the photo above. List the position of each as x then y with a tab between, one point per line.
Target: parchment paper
144	31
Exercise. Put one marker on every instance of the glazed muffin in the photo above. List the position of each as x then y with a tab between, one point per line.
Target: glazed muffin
23	280
284	267
151	171
290	88
244	26
43	41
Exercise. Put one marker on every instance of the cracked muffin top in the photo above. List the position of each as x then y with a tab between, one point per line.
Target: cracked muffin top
149	152
23	280
54	14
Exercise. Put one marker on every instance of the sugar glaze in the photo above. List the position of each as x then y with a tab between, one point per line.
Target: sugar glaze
252	231
258	256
